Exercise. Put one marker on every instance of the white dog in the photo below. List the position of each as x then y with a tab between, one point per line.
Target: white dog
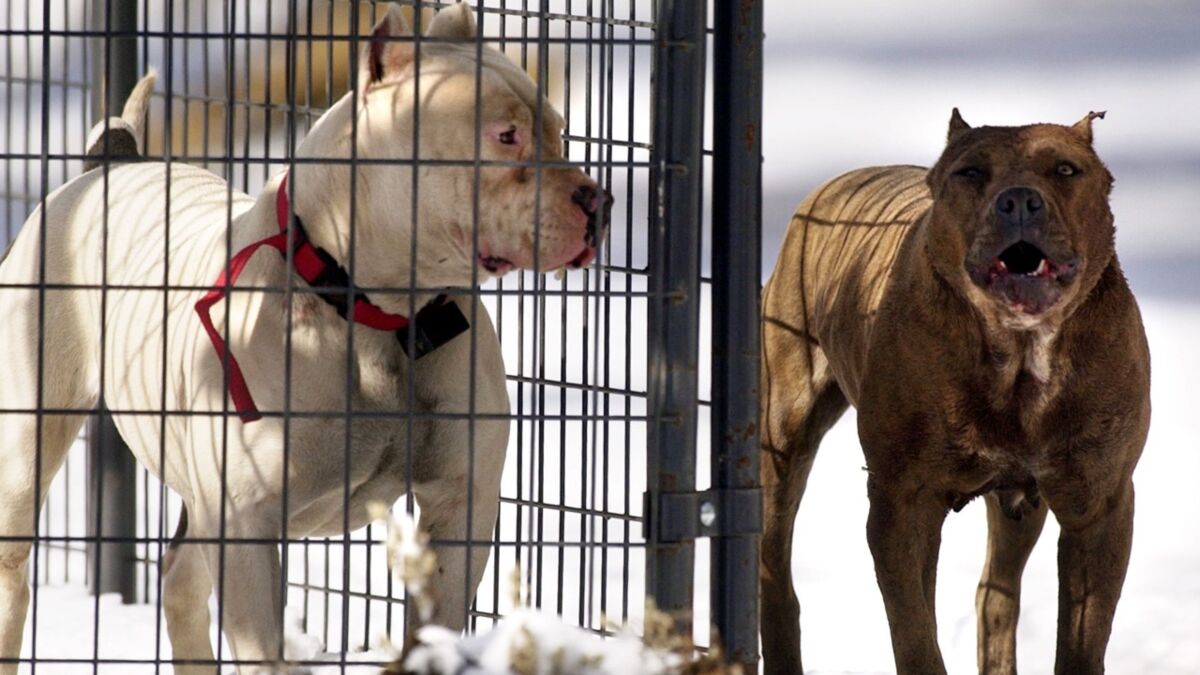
196	379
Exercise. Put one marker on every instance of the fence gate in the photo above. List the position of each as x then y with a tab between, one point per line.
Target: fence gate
632	467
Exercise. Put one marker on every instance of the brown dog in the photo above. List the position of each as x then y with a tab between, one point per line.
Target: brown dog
976	316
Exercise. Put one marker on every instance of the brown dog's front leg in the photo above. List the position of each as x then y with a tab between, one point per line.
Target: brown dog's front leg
904	532
998	599
1092	558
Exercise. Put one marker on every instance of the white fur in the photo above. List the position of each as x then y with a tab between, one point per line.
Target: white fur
1038	352
148	330
133	115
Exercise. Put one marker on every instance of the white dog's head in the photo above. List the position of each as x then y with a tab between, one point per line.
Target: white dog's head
527	217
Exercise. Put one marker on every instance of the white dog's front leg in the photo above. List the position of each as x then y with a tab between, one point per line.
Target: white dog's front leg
444	510
247	575
186	590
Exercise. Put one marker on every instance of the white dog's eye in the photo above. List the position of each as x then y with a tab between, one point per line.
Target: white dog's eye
1066	169
508	137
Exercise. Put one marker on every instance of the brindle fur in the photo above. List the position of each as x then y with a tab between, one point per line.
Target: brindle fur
958	396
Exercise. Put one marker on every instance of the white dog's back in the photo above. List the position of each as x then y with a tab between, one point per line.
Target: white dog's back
104	255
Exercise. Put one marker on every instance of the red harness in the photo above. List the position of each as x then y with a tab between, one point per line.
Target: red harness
440	320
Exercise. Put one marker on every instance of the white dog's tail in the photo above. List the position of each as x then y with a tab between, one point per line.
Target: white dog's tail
120	138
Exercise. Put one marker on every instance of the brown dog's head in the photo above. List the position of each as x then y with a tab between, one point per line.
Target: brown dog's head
1020	219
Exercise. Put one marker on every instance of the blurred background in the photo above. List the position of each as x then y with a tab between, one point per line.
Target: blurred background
854	84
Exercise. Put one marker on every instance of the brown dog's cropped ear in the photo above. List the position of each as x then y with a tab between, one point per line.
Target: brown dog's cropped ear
455	21
957	125
1084	126
384	56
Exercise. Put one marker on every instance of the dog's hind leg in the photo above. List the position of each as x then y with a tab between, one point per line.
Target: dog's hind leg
998	600
33	448
22	454
186	590
801	402
43	397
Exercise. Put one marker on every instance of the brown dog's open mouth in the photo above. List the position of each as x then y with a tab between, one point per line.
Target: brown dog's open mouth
1029	280
1022	258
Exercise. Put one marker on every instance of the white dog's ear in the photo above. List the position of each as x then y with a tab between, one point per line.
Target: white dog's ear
455	21
383	55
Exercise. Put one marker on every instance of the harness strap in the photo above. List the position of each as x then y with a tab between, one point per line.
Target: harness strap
238	390
435	325
315	266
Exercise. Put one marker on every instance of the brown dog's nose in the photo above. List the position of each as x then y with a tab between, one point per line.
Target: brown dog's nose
596	204
1021	207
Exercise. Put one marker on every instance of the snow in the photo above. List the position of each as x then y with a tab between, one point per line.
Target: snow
543	644
127	634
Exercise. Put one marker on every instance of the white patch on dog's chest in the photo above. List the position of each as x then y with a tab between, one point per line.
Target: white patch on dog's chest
1038	352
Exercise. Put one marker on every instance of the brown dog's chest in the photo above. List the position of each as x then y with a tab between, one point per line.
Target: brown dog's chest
999	430
992	455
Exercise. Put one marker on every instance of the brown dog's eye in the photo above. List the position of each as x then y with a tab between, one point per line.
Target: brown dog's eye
970	173
509	137
1067	169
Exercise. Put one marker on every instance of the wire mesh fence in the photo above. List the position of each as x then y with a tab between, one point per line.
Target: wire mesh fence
592	360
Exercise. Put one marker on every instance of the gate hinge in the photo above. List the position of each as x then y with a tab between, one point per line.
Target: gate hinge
681	516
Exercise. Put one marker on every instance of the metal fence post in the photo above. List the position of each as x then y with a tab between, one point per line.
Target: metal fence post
736	272
112	484
674	307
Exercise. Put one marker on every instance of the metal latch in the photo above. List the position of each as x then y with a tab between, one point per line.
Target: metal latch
681	516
